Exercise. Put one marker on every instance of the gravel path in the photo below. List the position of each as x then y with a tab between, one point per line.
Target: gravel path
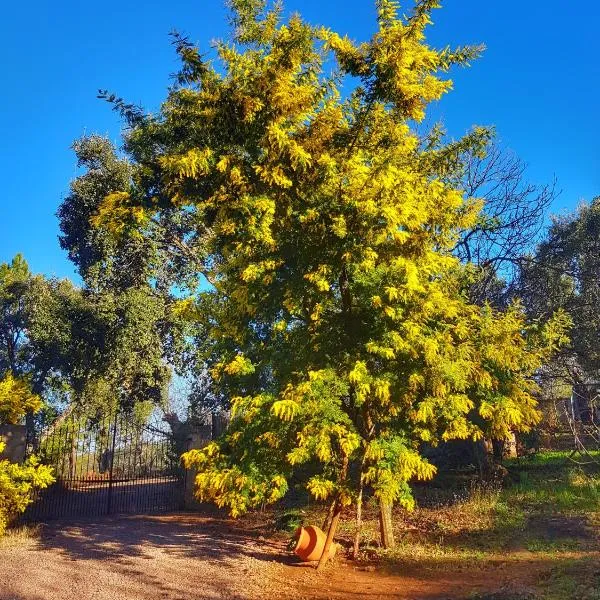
191	556
177	557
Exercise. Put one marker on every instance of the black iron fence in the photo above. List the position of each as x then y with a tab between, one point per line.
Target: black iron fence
109	464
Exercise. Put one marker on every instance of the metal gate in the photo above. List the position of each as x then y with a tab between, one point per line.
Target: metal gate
106	465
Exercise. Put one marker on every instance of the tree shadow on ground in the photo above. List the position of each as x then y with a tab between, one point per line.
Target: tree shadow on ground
177	556
187	535
514	577
149	556
537	532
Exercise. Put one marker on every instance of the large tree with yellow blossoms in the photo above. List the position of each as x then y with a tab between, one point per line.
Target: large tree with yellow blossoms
287	173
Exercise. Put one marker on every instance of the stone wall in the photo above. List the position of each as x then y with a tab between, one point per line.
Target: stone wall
14	436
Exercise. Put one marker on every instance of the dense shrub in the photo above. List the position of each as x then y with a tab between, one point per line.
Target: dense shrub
17	485
18	482
16	399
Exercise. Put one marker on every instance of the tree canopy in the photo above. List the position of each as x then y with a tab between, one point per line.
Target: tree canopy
563	274
102	347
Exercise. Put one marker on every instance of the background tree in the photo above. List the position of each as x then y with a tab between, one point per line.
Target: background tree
24	355
127	287
513	212
82	348
336	319
563	274
14	283
508	227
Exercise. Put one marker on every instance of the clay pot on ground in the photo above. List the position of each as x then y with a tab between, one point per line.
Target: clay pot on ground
311	541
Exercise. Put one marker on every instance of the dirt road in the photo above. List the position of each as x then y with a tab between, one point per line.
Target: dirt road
187	556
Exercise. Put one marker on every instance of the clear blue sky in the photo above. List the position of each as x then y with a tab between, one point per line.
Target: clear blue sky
538	83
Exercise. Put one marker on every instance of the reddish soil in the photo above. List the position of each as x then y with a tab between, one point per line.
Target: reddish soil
185	556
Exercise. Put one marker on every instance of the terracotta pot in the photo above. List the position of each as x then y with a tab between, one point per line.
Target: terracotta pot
311	541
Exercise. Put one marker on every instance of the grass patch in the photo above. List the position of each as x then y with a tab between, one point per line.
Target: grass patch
545	513
551	458
572	579
433	555
554	485
549	546
17	536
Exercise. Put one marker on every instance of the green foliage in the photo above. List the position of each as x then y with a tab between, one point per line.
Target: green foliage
96	255
133	366
99	348
563	274
36	329
124	328
556	485
289	520
337	319
14	280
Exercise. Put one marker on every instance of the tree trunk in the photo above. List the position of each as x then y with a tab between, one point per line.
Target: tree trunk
330	535
328	516
385	524
358	521
498	448
335	517
511	447
30	436
480	453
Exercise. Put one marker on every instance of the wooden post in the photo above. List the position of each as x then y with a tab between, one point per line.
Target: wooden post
511	447
358	521
112	464
72	459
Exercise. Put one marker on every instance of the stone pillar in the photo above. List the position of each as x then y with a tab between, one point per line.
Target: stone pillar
15	438
198	437
219	424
